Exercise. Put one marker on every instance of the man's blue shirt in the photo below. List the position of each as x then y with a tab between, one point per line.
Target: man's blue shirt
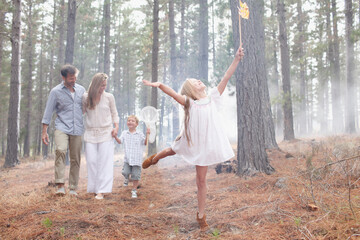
68	109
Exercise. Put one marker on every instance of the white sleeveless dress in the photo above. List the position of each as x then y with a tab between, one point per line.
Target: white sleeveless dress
209	143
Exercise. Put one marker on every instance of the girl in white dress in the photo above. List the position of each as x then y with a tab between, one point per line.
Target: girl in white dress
202	142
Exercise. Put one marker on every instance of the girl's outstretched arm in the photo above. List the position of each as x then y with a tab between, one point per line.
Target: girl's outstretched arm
238	56
166	89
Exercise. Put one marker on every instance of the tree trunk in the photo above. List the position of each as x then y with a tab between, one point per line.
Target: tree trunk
70	39
285	70
11	158
101	46
351	103
162	101
29	84
213	34
117	83
276	106
60	55
173	69
107	38
154	64
2	107
41	145
301	60
182	41
250	74
204	41
338	123
51	76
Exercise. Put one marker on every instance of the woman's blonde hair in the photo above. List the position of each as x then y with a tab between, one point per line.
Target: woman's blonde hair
188	90
93	90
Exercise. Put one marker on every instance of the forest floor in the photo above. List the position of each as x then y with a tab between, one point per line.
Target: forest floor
313	194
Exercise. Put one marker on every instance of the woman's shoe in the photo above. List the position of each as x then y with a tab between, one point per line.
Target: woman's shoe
99	196
149	161
202	222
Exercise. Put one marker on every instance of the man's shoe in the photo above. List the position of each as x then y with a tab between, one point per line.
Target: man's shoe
60	191
126	182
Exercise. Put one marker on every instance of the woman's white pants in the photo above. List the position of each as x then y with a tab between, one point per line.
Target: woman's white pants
100	166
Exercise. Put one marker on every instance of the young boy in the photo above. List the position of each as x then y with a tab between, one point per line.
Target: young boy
134	143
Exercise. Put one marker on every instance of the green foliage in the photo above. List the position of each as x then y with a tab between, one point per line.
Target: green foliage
297	221
216	233
47	223
62	231
176	229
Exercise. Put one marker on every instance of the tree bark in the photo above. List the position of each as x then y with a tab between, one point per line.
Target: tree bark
338	123
2	107
351	103
107	38
285	70
29	84
70	38
154	64
301	60
173	67
11	158
250	75
204	40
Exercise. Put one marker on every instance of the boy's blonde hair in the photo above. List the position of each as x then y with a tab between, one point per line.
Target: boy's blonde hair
93	90
133	116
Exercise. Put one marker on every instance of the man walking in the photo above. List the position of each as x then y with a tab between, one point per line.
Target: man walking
65	100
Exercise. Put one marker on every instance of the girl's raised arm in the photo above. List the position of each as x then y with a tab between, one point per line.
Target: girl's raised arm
166	89
238	56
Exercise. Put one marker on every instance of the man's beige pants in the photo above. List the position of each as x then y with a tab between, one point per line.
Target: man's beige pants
62	142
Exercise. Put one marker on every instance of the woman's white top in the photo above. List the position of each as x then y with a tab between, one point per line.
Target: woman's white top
209	143
99	121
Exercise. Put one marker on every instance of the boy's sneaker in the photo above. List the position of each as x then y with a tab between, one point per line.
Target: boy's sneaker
60	191
73	193
133	193
126	182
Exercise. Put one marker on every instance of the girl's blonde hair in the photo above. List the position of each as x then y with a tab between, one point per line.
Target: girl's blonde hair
188	90
93	90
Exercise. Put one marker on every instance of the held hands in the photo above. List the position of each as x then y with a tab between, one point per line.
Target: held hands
151	84
114	131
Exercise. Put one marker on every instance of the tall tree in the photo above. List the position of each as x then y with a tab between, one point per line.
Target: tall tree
182	40
300	50
107	38
29	76
11	158
204	40
173	69
337	114
154	63
3	10
70	37
285	71
350	96
250	74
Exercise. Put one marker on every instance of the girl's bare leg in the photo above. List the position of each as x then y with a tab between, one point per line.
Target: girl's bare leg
202	188
162	154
